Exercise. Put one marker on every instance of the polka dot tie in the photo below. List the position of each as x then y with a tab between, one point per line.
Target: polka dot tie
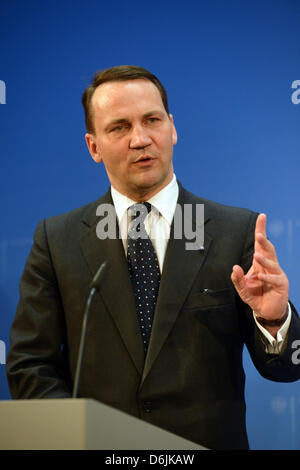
143	269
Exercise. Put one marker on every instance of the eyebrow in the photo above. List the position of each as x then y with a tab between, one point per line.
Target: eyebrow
126	121
155	111
116	121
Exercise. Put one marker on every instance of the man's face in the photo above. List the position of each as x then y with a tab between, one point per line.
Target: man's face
134	137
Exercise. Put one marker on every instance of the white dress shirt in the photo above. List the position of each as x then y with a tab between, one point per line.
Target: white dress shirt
158	225
158	221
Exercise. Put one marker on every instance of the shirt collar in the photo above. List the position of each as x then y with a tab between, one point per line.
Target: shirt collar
164	201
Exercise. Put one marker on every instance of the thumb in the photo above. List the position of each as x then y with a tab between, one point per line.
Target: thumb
238	278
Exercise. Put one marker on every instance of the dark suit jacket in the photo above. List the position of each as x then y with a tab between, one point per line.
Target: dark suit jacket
192	380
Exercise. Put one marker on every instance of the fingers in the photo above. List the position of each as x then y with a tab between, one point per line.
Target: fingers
262	244
245	285
260	238
238	277
274	280
269	265
265	268
265	283
237	273
265	247
261	225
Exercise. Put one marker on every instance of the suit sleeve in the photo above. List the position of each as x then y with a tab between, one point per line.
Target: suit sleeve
37	362
277	367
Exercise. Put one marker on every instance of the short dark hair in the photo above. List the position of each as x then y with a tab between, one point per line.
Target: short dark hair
119	73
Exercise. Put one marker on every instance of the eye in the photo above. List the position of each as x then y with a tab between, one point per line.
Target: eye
117	128
152	120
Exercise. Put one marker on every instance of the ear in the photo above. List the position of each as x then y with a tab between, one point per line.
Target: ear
174	132
93	147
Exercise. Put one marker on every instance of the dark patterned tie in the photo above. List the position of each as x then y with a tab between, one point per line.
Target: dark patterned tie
143	269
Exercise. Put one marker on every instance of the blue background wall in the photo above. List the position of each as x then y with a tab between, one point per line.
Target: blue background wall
228	67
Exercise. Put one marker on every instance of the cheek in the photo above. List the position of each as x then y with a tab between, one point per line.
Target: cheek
115	160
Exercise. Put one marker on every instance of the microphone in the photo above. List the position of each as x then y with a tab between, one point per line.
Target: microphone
94	288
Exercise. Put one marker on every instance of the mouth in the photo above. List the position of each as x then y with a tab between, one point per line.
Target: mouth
144	160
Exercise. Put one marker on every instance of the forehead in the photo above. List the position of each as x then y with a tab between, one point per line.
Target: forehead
125	97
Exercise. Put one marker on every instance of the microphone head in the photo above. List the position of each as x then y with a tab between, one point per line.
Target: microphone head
99	275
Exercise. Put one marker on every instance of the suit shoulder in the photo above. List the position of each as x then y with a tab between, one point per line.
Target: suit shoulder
224	210
217	207
72	223
72	215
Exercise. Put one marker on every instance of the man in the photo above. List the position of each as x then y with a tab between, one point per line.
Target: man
179	365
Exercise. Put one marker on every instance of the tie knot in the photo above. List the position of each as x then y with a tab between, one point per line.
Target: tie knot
140	209
138	213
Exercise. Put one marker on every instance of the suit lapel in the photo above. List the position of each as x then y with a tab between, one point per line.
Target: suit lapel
180	269
116	289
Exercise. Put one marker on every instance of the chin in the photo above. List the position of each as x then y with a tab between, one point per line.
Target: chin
149	183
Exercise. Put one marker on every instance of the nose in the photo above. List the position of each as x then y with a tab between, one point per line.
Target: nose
139	137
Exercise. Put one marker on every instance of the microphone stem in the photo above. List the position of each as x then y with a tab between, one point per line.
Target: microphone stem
82	341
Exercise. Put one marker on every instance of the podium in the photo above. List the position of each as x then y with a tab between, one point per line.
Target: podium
79	424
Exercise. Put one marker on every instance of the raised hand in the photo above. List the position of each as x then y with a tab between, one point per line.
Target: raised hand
265	287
